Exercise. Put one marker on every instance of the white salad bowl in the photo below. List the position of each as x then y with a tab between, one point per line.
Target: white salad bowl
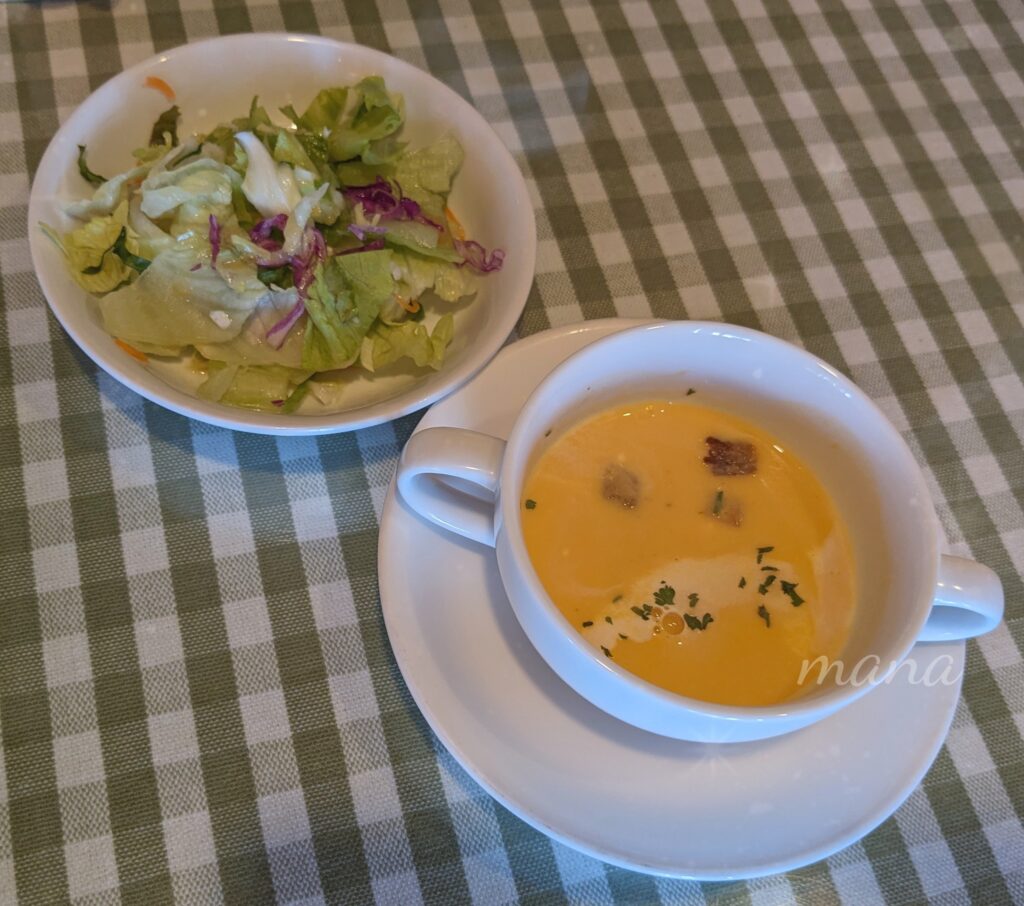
214	81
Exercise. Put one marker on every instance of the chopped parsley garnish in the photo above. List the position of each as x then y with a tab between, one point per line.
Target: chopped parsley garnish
743	581
690	392
761	551
588	623
698	624
616	599
762	612
607	653
769	569
639	612
716	509
623	636
762	589
547	433
531	504
665	596
608	620
789	588
693	598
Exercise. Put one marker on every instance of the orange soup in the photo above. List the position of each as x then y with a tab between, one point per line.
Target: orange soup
692	548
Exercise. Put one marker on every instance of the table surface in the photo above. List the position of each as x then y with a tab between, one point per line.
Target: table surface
198	702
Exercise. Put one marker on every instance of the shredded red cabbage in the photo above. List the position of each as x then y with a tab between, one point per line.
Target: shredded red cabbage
362	231
312	252
379	198
260	234
477	257
277	333
214	238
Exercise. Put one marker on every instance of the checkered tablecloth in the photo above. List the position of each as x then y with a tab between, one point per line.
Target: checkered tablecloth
198	702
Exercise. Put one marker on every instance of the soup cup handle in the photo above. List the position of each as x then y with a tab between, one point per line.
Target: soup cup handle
968	602
450	477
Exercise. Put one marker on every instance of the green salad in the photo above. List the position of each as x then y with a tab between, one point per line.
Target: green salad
277	255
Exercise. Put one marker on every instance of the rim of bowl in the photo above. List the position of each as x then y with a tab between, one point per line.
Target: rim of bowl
163	394
836	696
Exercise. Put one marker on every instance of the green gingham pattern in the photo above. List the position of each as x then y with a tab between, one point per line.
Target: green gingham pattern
198	703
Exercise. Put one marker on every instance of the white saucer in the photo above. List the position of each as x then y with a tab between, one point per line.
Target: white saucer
708	812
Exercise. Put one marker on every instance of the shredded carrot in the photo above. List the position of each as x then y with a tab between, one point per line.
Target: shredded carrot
410	305
161	86
132	351
453	222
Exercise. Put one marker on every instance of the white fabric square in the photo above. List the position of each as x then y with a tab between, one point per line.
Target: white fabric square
91	866
67	660
230	534
132	467
189	841
247	622
158	641
917	336
674	239
353	696
610	248
77	759
986	474
36	401
284	818
313	518
856	346
172	737
332	605
27	326
968	751
375	796
264	716
144	550
45	481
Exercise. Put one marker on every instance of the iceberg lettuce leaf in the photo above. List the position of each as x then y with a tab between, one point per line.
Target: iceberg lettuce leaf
264	387
108	196
421	238
199	188
377	115
343	302
92	261
430	170
269	186
170	304
250	347
419	274
325	110
386	344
